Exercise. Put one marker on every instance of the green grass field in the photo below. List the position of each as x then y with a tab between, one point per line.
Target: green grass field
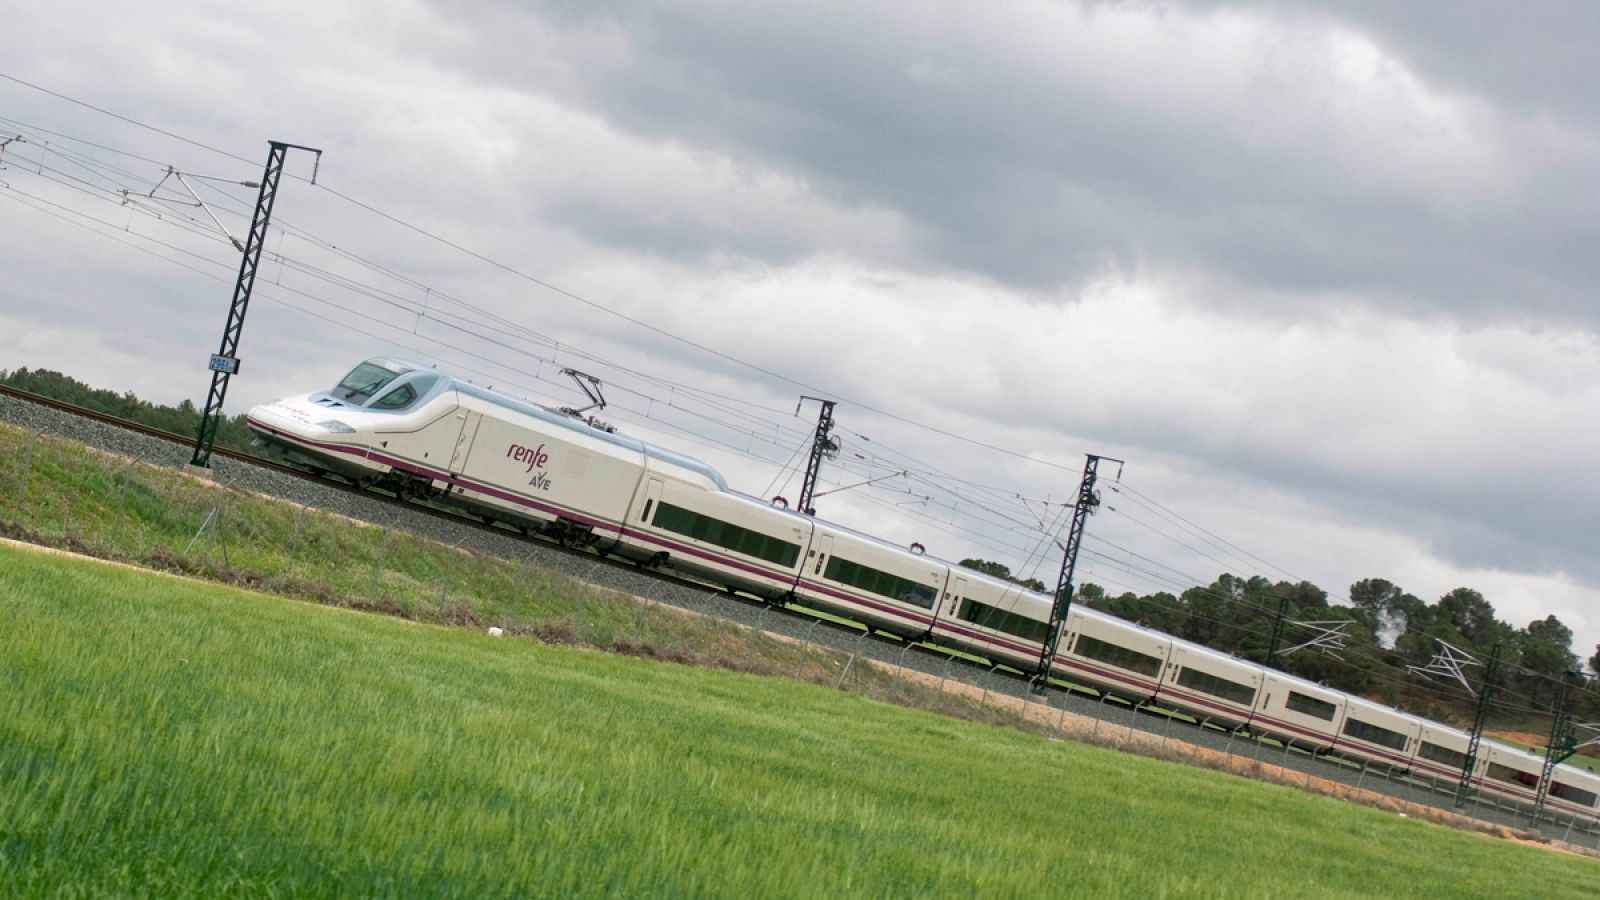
165	738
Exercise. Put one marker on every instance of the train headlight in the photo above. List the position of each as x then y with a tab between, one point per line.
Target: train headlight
336	426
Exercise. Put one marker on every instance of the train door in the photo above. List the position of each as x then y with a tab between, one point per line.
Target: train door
952	598
819	554
1169	675
652	496
471	419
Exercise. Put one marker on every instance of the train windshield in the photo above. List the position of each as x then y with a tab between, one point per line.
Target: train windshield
365	380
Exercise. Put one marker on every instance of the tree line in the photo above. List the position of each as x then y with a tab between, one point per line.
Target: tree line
232	432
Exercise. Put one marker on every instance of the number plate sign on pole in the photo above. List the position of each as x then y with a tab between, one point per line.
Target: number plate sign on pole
225	362
1088	502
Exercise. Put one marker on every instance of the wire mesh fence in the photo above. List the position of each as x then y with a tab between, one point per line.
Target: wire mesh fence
63	494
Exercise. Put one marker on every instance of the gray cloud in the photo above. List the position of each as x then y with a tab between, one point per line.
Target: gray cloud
1307	163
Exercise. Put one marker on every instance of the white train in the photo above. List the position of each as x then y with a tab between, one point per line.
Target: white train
420	432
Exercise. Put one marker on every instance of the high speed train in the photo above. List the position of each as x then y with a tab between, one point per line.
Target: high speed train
417	431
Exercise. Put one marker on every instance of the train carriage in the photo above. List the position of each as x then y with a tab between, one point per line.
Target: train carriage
533	464
1378	734
1297	711
1441	751
685	518
1210	685
1509	772
1576	792
998	618
1112	654
882	583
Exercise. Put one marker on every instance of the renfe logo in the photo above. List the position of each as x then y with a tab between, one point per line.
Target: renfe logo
536	458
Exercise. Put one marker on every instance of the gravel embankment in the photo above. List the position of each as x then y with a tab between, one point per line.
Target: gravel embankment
706	601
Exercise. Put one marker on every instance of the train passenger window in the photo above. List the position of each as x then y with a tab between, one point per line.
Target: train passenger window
1207	683
1001	620
1374	734
1512	776
1118	655
725	534
1575	795
879	582
1455	759
1310	706
397	399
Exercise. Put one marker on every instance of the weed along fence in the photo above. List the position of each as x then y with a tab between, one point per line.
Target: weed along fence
313	544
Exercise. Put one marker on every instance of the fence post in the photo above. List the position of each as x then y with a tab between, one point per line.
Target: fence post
219	534
444	578
988	679
27	470
202	529
294	544
377	562
848	663
122	500
806	642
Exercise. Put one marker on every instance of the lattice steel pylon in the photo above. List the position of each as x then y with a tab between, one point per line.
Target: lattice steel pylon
1088	502
822	443
225	362
1464	787
1561	745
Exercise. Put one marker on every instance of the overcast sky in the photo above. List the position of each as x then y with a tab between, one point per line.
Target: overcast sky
1323	274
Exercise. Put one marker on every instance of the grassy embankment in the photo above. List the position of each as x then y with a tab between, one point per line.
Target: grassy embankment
169	738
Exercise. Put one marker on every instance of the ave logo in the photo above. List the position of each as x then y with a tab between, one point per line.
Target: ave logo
535	458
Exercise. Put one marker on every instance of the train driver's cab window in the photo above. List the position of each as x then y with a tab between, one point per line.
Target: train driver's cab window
399	398
366	380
